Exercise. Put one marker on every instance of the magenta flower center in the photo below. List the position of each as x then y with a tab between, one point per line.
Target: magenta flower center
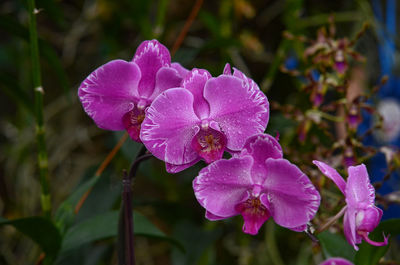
254	214
209	144
132	121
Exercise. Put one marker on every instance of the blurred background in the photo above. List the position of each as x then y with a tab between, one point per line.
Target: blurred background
76	37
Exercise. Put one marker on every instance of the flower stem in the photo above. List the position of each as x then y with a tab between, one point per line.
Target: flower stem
40	129
332	220
126	250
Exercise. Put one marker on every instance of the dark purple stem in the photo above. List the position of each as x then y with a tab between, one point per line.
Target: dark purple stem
126	219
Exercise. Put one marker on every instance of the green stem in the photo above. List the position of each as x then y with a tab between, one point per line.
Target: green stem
40	130
271	244
162	10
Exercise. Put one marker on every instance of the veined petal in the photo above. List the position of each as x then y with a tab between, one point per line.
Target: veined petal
195	81
166	77
150	56
240	111
109	92
349	227
169	127
332	174
290	196
359	189
261	147
223	184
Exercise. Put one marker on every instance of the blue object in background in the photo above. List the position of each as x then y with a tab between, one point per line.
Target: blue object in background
388	105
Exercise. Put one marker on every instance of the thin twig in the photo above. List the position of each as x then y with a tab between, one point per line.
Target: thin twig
101	168
332	220
186	27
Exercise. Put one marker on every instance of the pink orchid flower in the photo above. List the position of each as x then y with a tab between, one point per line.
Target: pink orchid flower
361	215
116	94
203	118
258	184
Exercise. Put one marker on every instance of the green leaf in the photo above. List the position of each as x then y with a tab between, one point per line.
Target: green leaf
40	230
65	214
198	242
370	255
334	245
105	226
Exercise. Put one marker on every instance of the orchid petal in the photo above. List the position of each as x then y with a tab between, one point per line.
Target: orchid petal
171	168
150	56
368	219
109	92
261	147
169	127
240	111
332	174
223	184
349	227
359	189
290	197
227	69
213	217
181	70
364	236
166	78
195	81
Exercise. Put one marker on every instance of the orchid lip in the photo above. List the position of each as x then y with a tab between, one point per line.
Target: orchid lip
364	235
